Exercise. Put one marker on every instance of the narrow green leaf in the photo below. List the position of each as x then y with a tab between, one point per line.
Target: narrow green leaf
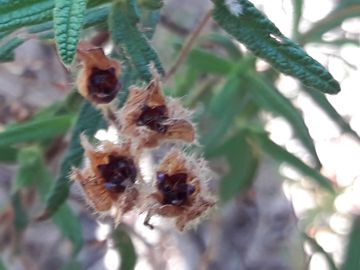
209	62
315	245
10	5
269	97
27	15
36	130
126	249
326	106
352	255
243	162
8	154
68	22
20	215
281	155
151	4
32	172
72	265
224	42
123	21
298	8
88	122
2	266
334	19
6	50
264	39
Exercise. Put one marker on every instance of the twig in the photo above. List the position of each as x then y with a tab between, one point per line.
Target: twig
185	50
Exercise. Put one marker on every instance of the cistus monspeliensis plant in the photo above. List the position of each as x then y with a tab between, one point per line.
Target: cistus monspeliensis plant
207	103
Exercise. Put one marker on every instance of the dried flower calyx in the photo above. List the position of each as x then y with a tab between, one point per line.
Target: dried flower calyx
150	118
98	79
109	180
179	191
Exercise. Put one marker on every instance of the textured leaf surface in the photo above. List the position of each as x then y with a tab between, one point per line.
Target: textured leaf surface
281	155
36	130
264	39
88	122
68	22
270	98
126	249
123	21
6	50
352	257
27	15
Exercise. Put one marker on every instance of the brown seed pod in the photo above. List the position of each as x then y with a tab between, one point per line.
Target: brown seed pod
150	118
109	179
180	191
98	80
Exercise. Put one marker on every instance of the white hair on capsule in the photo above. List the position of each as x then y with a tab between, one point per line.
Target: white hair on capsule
234	7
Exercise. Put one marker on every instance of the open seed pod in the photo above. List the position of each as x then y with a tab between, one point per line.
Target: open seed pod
180	190
109	179
98	79
149	118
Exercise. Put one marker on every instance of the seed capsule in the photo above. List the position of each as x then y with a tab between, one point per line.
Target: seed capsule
180	192
109	179
149	118
98	80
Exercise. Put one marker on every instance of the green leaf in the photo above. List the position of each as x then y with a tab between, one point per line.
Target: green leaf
88	123
320	249
2	266
8	154
68	22
264	39
226	43
281	155
123	21
352	255
72	265
10	5
269	97
32	172
334	19
243	162
20	215
36	130
209	62
6	50
298	8
151	4
126	249
321	100
26	15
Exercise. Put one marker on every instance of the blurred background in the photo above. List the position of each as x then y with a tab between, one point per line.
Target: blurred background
270	216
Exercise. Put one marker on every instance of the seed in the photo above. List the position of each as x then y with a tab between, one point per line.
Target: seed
103	85
174	188
119	173
153	118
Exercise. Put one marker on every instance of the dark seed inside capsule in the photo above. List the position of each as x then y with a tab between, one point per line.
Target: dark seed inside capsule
103	85
119	173
153	118
174	188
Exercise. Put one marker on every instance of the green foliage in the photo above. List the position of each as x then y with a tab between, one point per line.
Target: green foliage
281	155
33	173
88	122
352	257
265	40
123	22
36	130
126	249
69	17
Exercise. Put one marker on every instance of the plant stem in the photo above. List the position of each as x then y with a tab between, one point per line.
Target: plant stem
185	50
